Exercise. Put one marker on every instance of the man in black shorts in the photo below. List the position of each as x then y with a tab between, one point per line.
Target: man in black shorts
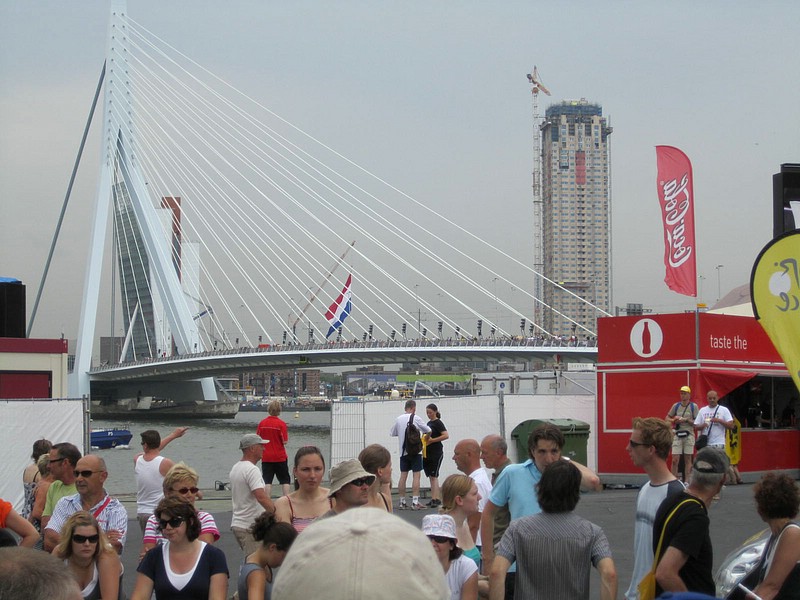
408	462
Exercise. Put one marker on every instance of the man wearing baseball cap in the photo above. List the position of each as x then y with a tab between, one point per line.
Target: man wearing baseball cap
682	416
349	486
686	559
248	495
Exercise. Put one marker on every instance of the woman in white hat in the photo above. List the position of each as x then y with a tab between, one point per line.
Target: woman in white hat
460	572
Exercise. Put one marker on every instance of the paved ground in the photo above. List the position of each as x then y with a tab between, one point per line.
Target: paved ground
733	519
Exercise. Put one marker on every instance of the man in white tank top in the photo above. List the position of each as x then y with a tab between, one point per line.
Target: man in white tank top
150	468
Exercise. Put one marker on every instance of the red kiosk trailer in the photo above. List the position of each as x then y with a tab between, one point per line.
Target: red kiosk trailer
643	361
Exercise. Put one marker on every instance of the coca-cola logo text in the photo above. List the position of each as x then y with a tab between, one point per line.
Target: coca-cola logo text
677	202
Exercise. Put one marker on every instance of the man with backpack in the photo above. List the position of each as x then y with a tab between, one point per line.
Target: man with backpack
682	416
409	427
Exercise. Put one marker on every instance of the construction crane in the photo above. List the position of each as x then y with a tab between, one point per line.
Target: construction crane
538	250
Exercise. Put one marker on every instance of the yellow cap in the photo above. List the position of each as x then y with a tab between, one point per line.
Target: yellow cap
686	389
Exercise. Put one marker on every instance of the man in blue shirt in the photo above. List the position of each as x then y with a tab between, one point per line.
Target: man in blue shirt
516	488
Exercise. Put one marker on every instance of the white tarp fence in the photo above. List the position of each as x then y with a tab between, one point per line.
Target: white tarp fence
355	425
22	422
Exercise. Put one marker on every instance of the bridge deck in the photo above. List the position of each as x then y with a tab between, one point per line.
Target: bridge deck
337	354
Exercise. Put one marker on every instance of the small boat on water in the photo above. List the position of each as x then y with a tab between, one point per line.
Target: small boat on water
111	437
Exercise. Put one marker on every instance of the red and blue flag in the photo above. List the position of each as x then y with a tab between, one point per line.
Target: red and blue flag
340	309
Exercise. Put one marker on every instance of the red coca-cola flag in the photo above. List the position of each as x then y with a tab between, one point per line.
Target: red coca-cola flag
676	195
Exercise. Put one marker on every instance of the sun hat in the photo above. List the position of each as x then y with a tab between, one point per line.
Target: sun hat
251	439
686	389
345	472
711	460
361	554
440	525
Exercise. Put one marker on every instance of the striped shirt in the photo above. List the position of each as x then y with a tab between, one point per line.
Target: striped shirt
113	516
554	554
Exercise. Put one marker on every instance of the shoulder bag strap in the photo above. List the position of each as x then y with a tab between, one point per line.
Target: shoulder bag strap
712	424
100	509
761	565
664	528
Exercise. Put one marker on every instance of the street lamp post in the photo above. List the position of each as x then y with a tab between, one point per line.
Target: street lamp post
719	285
419	310
496	306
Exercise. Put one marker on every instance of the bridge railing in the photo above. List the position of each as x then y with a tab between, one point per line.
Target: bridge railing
463	342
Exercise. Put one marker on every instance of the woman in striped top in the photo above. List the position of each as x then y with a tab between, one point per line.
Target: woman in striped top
309	501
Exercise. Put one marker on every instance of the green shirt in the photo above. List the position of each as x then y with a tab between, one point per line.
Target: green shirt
55	492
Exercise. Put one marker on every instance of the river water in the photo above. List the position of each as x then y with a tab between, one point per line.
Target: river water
210	446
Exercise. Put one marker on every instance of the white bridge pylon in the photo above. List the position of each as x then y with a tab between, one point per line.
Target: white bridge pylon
119	174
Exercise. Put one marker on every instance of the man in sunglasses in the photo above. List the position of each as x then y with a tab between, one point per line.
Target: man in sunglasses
648	447
90	475
62	460
349	486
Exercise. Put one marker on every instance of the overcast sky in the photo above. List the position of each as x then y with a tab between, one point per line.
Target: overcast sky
432	96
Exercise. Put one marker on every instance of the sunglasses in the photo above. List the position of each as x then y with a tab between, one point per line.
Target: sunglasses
637	444
174	522
440	539
82	539
186	490
85	474
361	481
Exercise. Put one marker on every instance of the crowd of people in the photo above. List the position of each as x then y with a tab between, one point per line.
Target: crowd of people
514	534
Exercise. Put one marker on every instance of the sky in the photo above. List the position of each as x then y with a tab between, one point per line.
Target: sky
433	97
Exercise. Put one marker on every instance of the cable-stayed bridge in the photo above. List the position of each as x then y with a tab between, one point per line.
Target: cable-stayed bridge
233	232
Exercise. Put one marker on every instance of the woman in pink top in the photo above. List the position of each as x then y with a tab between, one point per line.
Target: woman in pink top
309	501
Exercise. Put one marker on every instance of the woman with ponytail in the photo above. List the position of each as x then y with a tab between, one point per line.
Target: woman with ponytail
255	574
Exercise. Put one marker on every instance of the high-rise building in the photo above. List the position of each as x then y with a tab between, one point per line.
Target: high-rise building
575	215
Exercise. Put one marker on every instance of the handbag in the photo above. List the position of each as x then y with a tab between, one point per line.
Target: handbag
682	433
647	586
702	441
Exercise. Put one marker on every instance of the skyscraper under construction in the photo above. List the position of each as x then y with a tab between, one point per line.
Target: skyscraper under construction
575	216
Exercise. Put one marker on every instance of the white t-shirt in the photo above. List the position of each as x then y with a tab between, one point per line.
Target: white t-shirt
245	478
460	570
647	502
716	437
481	480
399	428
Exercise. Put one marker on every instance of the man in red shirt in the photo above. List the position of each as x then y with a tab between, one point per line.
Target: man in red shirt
274	462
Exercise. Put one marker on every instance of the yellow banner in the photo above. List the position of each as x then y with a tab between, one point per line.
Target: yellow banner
775	293
733	442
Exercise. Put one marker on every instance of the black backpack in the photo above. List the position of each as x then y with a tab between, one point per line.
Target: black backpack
413	441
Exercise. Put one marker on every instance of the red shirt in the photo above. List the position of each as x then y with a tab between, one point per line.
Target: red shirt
274	430
5	510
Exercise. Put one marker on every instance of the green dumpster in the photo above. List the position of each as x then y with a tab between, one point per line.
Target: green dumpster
576	437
